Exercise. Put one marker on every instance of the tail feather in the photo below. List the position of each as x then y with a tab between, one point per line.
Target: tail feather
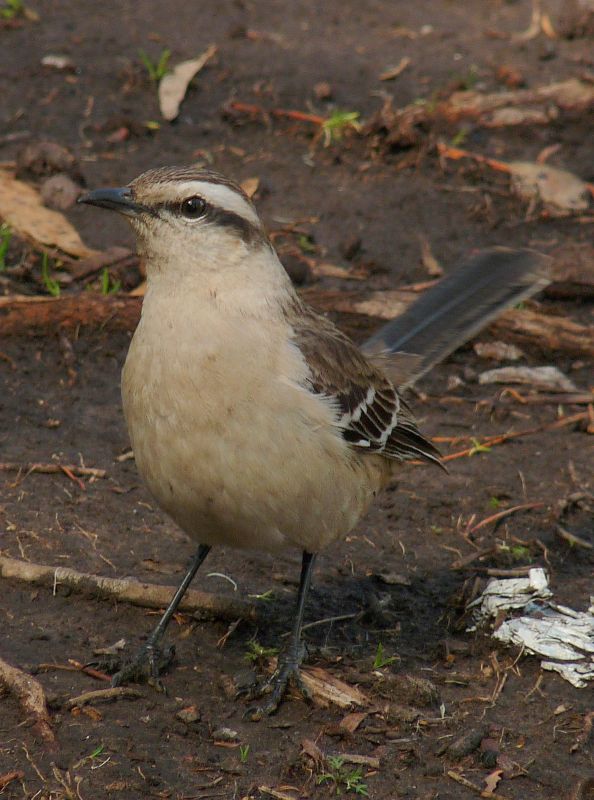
457	308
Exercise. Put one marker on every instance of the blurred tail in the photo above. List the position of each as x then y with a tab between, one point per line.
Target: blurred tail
454	310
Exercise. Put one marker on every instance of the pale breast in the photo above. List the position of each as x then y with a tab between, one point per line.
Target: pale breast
229	443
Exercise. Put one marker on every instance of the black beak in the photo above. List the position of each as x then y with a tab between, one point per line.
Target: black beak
115	199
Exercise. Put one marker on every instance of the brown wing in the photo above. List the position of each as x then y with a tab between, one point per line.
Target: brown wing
370	413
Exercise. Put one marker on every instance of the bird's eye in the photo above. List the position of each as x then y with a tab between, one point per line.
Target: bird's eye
193	207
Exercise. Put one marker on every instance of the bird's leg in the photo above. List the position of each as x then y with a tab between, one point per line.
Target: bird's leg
151	659
289	659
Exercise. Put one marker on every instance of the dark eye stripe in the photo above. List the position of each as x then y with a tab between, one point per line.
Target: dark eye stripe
244	228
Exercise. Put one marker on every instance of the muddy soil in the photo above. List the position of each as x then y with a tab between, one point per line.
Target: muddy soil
394	575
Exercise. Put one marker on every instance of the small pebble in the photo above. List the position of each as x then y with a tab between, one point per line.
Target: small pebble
188	715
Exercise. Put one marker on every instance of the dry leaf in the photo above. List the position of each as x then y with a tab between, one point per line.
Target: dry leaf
556	187
491	782
310	748
21	207
428	260
173	86
250	186
518	115
138	291
547	27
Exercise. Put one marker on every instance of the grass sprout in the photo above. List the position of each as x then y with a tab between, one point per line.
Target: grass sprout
257	651
109	286
477	447
334	127
5	237
244	751
343	778
380	659
52	286
155	69
12	9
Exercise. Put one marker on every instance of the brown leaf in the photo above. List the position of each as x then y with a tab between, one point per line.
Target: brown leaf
21	207
250	186
491	781
310	748
553	186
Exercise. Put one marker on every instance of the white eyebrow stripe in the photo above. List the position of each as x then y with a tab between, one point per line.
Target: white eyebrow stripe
221	196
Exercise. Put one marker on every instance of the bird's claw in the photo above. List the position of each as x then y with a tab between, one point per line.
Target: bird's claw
146	665
273	688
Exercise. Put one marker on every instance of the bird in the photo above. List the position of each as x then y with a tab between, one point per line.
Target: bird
255	422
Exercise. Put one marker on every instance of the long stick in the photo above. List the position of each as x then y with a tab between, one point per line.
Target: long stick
147	595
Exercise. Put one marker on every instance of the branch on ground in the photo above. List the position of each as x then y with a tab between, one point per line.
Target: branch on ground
137	593
29	692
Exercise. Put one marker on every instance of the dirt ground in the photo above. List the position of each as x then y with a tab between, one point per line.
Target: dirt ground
358	203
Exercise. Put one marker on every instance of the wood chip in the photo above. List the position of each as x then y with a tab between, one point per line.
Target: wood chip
547	333
367	761
352	721
325	689
498	351
548	378
276	793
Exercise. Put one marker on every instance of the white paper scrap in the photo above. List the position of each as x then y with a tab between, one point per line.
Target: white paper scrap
555	632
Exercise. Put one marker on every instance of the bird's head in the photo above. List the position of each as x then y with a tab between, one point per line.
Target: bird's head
188	219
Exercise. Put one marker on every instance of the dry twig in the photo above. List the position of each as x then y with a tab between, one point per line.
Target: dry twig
298	116
491	441
9	777
103	696
70	470
572	539
455	776
276	793
501	515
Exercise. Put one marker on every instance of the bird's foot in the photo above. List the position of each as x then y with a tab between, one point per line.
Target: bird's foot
273	689
146	666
